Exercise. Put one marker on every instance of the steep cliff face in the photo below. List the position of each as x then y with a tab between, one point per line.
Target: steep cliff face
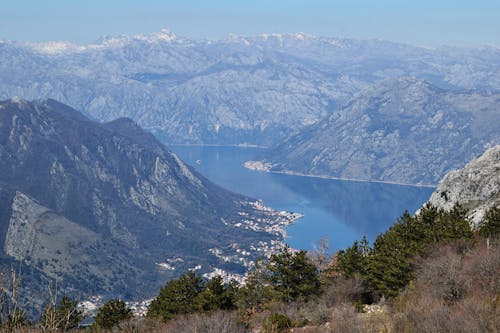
476	186
399	130
20	238
107	209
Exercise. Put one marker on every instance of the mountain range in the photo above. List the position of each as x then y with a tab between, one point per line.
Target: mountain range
255	90
403	130
106	209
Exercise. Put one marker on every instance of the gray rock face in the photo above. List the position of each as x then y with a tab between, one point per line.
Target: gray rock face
61	248
243	89
476	186
399	130
106	209
20	239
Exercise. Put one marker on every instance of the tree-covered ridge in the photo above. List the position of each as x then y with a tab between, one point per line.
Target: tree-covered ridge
388	266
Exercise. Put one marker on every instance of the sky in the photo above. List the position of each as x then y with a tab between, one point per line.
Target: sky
419	22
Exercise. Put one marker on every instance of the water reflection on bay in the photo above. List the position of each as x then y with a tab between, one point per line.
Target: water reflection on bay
340	211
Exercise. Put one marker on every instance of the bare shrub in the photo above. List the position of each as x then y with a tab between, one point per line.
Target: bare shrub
425	314
320	256
344	318
59	314
311	329
217	322
138	325
441	275
317	311
414	313
482	267
294	310
12	316
454	291
343	290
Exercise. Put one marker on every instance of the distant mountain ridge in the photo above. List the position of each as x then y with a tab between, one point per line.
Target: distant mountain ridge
255	90
403	130
106	209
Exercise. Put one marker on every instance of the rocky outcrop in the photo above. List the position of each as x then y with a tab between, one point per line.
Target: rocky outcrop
59	247
476	186
20	238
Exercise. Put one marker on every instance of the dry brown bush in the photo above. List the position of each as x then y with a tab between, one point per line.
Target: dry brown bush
318	311
217	322
442	276
345	319
342	290
454	291
482	266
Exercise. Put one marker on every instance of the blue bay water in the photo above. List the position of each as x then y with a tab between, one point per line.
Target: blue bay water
337	210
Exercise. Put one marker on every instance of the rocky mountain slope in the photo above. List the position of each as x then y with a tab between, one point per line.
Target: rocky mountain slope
256	90
476	186
402	130
106	209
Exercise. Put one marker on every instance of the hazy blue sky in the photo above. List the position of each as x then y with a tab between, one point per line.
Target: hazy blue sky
421	22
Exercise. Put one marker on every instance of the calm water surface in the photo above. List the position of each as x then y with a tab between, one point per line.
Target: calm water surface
338	210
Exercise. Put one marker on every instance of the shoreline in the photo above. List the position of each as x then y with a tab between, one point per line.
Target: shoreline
292	173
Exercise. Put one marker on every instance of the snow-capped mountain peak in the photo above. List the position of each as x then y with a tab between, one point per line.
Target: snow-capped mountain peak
164	35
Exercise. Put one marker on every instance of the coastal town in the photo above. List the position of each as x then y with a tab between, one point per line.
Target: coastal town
270	221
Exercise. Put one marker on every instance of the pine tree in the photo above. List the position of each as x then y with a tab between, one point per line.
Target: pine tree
490	226
112	313
293	275
353	260
217	295
177	296
390	264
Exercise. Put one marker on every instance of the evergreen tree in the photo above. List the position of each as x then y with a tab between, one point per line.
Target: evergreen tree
217	295
490	226
177	296
389	266
390	263
257	289
353	260
292	275
112	313
444	226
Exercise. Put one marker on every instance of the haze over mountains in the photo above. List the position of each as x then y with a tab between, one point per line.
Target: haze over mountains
106	209
253	90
